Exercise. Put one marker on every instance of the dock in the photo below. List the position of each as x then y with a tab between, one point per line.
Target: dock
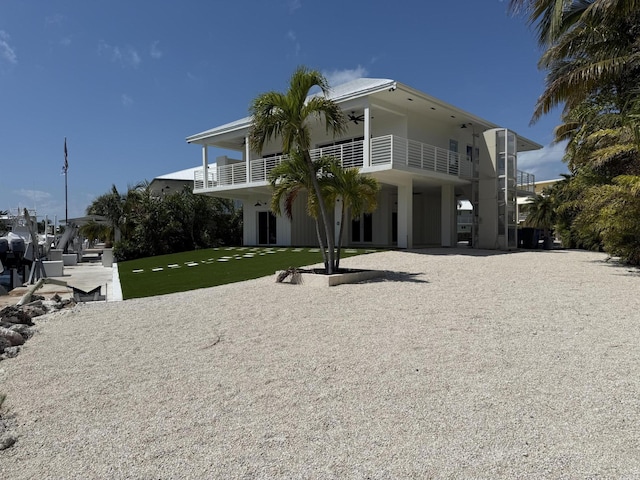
87	277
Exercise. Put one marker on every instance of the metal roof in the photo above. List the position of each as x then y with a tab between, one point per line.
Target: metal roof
353	89
186	174
389	90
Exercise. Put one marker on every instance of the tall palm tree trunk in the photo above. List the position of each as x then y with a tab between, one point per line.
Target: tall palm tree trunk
321	244
342	215
323	213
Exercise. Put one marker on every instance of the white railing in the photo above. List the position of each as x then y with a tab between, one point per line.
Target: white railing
526	181
350	155
398	151
387	150
260	168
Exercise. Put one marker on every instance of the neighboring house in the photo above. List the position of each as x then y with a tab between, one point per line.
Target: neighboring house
541	185
539	190
426	154
173	182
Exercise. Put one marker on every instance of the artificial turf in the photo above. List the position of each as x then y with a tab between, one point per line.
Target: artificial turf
184	271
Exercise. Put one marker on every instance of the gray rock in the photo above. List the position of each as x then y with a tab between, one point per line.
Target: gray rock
34	310
14	337
15	314
11	352
4	343
23	330
7	441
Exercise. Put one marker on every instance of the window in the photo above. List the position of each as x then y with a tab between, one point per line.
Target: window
267	228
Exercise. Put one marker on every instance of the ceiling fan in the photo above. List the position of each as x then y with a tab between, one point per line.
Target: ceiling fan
356	118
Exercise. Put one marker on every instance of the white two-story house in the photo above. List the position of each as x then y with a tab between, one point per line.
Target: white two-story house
426	154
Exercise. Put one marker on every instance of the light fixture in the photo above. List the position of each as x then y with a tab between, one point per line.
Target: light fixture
257	204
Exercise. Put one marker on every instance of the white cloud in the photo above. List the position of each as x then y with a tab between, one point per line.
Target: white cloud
338	77
55	19
6	51
132	57
33	195
292	37
294	5
126	100
546	163
125	57
155	51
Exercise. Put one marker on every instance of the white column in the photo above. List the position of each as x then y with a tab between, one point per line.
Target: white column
247	157
447	215
205	166
405	215
366	144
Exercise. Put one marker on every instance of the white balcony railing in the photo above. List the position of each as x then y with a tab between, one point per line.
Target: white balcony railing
387	150
526	181
400	151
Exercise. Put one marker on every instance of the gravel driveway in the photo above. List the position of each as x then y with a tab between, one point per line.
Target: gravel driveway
458	364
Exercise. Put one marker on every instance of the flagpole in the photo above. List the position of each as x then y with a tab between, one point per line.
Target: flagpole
66	202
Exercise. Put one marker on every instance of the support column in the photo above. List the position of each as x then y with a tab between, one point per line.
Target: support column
405	215
205	166
247	158
447	215
366	144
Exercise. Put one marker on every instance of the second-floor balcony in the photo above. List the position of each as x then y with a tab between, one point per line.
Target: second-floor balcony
386	151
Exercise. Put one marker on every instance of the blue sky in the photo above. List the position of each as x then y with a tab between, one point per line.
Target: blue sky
127	81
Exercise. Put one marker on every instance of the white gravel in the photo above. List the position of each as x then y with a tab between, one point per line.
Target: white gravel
460	364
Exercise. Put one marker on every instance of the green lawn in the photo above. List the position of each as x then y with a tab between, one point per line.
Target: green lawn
184	271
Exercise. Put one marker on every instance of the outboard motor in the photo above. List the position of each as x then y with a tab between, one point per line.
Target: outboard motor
4	249
17	246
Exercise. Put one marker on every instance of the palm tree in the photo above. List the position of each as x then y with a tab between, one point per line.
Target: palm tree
611	212
287	116
291	178
590	46
358	194
542	215
118	209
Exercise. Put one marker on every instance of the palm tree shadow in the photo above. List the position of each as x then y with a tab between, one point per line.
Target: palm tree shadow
622	268
395	276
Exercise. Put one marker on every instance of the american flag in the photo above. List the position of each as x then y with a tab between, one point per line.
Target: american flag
66	161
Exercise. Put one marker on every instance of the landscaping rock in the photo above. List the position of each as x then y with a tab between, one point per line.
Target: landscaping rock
15	314
7	441
11	352
13	337
23	330
15	321
34	310
4	344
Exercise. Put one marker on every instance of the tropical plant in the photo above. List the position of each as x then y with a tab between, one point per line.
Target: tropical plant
357	193
153	225
118	209
590	46
612	212
287	118
291	178
592	59
542	215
